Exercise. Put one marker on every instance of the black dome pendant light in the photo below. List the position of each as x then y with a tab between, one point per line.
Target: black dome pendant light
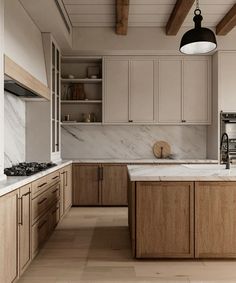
198	40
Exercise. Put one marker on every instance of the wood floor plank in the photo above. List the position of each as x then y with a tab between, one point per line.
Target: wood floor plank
92	245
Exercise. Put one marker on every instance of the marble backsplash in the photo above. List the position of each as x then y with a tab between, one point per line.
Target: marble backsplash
132	142
14	130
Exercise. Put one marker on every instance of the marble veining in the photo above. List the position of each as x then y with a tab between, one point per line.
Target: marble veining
131	142
193	172
14	135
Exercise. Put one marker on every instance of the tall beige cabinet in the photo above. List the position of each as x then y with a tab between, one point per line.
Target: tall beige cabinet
224	98
46	114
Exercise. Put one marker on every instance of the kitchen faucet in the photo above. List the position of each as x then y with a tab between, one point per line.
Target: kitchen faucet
225	135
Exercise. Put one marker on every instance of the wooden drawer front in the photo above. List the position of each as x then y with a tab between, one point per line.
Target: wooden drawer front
40	204
53	177
39	186
40	232
54	216
54	193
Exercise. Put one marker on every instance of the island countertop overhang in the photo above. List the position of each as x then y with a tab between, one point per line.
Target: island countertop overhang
184	172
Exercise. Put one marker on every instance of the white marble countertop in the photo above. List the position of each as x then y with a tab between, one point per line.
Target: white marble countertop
13	183
187	172
148	161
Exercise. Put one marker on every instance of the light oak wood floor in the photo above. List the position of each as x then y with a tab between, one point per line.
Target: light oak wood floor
92	245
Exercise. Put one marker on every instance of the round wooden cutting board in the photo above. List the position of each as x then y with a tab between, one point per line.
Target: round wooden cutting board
161	149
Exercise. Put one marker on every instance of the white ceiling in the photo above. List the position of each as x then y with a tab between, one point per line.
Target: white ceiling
142	13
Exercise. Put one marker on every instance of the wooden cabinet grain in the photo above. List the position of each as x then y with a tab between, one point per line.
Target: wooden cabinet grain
114	185
24	227
9	237
164	225
215	219
99	184
67	184
86	184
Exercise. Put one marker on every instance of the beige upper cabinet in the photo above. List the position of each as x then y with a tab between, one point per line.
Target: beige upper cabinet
129	90
141	91
184	90
196	91
116	91
169	74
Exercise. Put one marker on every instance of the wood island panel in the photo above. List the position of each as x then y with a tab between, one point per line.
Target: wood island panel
215	219
164	220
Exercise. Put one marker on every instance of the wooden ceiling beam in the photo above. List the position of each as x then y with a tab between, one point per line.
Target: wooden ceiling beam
178	15
122	16
227	23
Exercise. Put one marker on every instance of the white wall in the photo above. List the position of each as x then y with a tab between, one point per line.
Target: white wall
151	40
1	89
23	40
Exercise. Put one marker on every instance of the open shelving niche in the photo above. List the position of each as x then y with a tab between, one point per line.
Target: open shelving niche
78	108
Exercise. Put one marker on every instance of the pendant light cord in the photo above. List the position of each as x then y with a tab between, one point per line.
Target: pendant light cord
197	4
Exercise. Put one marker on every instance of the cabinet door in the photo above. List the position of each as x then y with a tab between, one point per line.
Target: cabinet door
169	91
227	81
215	219
141	91
164	225
25	227
62	182
9	237
196	91
116	91
86	184
68	187
114	185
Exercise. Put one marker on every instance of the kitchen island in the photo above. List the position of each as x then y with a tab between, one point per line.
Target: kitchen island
182	211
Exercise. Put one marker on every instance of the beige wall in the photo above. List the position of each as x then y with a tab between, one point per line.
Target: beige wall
138	41
23	40
1	89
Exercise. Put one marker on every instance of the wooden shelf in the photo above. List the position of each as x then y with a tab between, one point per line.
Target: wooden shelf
81	101
80	123
85	81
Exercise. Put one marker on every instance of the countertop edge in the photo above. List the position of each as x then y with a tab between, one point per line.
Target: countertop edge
10	185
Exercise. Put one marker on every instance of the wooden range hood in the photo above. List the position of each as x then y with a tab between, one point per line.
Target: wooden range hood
23	78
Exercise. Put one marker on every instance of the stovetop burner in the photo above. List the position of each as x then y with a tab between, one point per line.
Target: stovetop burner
27	168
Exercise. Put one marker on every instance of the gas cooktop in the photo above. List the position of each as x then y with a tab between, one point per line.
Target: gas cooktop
27	168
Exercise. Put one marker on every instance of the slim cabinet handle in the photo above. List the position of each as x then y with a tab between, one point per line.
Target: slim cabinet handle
130	121
21	207
183	121
101	176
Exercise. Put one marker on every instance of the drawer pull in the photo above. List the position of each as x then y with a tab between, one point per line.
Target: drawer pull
43	184
55	210
26	194
43	200
53	192
55	177
41	226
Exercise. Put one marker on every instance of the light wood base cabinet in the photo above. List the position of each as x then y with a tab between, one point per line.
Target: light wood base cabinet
100	184
24	227
164	220
9	237
86	184
114	185
215	219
